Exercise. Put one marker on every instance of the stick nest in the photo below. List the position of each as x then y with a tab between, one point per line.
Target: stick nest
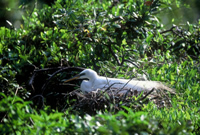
114	101
47	90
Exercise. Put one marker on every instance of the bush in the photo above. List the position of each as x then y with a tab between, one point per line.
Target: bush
112	37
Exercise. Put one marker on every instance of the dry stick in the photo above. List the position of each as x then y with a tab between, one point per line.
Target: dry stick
112	94
125	85
180	35
40	95
100	95
142	98
123	60
61	70
170	30
106	79
110	87
128	82
16	93
126	94
36	72
114	55
137	67
165	96
31	81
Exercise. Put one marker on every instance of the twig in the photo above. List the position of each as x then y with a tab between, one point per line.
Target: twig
114	55
170	30
39	96
142	98
124	97
61	70
38	71
137	67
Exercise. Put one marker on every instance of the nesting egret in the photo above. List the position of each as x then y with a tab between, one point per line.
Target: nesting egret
94	82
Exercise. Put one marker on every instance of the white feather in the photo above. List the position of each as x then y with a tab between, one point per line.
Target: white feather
95	82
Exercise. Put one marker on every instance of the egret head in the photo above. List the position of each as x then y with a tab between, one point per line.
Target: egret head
85	74
88	74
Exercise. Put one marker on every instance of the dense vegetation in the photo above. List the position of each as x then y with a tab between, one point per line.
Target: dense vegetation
114	38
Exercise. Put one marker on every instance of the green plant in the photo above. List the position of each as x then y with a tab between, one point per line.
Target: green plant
115	38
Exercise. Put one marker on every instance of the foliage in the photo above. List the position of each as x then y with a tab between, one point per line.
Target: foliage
113	37
20	118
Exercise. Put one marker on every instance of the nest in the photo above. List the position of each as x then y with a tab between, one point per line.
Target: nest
110	100
48	91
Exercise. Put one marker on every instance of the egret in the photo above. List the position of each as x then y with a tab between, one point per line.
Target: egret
94	82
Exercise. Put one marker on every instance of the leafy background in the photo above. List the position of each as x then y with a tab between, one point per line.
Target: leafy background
114	38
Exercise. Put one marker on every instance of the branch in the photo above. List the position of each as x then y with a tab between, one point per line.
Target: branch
59	71
114	55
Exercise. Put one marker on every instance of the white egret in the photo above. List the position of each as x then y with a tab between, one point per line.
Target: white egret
95	82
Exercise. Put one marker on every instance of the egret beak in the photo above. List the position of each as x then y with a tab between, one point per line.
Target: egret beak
73	78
